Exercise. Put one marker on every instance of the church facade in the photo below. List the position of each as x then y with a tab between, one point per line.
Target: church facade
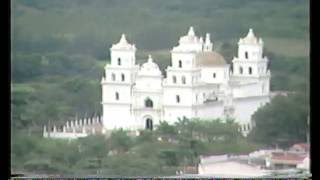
198	84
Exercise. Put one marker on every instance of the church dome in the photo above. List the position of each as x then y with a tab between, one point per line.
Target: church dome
209	59
150	68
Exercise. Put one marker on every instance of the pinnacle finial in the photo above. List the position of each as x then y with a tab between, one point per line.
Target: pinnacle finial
123	39
150	58
208	38
250	33
191	31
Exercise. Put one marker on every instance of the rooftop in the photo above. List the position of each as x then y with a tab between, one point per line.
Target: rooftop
210	59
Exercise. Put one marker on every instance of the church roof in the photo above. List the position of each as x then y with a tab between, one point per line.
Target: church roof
123	44
250	39
190	37
210	59
150	68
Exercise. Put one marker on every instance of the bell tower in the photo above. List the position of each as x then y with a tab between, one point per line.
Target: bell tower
251	65
117	85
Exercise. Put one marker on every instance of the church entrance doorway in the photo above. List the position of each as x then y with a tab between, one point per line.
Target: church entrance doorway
149	124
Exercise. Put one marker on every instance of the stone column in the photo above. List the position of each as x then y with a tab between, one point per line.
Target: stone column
45	133
80	122
54	128
67	124
76	123
64	129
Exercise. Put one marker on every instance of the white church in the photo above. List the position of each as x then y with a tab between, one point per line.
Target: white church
198	84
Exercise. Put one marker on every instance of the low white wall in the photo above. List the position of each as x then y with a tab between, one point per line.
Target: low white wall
64	135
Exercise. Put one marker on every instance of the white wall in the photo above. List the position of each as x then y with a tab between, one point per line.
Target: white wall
147	82
254	51
127	58
221	74
64	135
247	90
172	113
230	168
211	110
185	94
117	116
245	108
187	60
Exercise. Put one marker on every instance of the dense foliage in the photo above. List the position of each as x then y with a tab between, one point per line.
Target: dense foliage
283	121
160	152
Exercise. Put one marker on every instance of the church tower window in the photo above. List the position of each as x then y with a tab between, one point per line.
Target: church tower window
180	64
246	54
122	77
183	80
113	77
148	103
214	75
174	79
241	70
250	70
119	61
178	98
117	96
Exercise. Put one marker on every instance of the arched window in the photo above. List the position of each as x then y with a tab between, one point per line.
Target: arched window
241	70
149	124
180	64
183	80
178	98
246	54
113	77
119	61
174	79
122	77
250	70
148	103
214	75
117	96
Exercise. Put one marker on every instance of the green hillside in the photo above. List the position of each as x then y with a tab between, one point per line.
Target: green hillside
59	48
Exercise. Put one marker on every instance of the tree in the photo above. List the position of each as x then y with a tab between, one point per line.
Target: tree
94	146
282	122
165	130
228	51
120	141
